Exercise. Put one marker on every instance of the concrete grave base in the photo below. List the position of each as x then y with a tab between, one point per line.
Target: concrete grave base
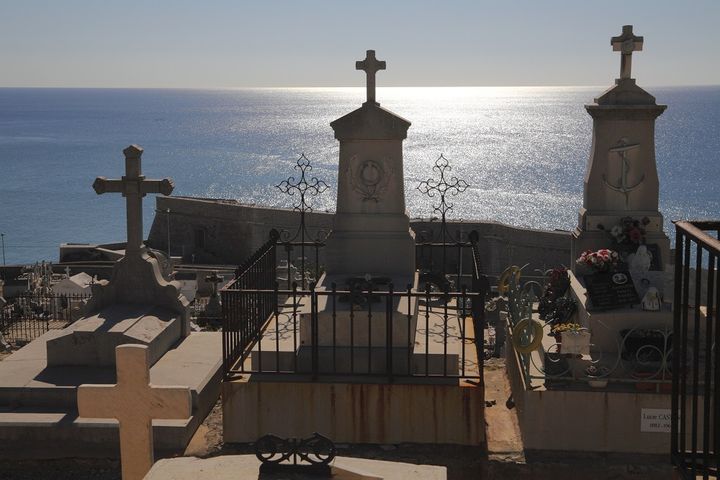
38	404
234	467
586	421
353	412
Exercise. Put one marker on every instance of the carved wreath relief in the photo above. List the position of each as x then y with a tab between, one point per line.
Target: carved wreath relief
368	178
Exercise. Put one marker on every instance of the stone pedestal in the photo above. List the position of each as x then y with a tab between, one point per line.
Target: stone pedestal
344	324
138	305
371	230
621	178
605	326
621	182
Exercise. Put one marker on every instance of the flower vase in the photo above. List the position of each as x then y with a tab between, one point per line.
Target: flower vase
575	342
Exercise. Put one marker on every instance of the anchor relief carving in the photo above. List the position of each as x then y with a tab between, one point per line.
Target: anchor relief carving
623	186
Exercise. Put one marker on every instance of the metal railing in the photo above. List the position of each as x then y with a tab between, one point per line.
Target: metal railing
639	359
27	316
244	316
695	432
357	331
276	319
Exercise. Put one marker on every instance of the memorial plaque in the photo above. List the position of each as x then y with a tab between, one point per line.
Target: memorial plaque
611	290
655	420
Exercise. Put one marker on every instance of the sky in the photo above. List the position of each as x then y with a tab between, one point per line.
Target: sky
314	43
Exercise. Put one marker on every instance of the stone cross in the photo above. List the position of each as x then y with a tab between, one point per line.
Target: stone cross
214	280
371	65
626	44
133	187
134	403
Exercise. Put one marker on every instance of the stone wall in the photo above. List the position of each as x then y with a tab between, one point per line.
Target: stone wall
228	232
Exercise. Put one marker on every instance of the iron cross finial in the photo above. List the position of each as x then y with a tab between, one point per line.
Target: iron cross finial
626	44
371	65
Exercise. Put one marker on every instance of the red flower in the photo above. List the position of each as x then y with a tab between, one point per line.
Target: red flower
635	235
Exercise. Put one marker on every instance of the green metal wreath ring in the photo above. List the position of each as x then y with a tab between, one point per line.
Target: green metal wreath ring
537	335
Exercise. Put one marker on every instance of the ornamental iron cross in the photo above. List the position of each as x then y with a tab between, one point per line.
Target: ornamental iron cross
371	65
626	44
445	186
133	187
306	186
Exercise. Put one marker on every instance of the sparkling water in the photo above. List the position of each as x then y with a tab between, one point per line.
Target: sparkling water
523	151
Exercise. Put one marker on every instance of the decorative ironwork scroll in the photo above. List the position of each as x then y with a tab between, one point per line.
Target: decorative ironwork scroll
306	187
443	186
311	455
446	186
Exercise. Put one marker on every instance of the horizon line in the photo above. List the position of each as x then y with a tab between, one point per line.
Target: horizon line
80	87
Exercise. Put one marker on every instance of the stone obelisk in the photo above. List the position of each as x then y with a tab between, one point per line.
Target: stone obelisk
371	230
621	179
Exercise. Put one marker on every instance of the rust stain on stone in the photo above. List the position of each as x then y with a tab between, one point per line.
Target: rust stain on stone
381	411
436	431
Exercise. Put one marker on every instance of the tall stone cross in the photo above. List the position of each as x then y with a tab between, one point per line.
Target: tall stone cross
133	186
214	280
371	65
134	403
626	44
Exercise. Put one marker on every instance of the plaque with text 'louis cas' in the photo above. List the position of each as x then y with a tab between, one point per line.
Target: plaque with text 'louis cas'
611	290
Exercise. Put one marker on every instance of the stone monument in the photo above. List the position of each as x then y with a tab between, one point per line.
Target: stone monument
214	307
371	230
620	214
371	244
139	304
621	180
134	402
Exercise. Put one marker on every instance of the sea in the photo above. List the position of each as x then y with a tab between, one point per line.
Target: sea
522	150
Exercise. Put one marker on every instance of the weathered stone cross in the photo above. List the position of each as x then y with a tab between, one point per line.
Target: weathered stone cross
134	403
133	187
626	44
214	280
371	65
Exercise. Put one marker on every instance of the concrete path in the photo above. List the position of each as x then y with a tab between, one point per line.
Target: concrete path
233	467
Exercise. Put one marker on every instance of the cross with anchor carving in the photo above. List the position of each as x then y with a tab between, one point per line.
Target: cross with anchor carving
371	65
133	186
626	44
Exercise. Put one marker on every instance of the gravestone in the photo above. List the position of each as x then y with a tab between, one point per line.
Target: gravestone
139	304
134	402
621	179
214	307
620	209
371	229
371	244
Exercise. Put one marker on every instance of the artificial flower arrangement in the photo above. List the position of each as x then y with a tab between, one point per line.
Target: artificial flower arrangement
629	232
601	260
566	327
573	338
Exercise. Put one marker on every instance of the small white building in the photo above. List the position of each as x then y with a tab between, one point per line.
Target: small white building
78	284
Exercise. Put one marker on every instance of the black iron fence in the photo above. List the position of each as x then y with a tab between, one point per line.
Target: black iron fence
27	316
276	319
244	316
695	428
364	328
